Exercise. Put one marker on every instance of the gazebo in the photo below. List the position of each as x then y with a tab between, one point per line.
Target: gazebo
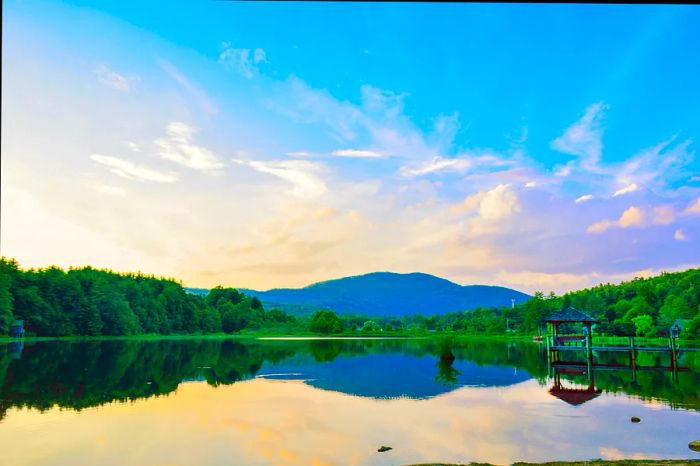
573	316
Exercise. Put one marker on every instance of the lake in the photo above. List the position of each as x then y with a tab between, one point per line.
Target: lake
323	402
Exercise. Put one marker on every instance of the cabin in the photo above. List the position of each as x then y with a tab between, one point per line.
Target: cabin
17	329
570	315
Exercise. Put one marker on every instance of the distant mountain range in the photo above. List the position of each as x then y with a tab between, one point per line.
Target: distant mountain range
386	294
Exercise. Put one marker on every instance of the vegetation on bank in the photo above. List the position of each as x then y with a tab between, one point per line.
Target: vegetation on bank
90	302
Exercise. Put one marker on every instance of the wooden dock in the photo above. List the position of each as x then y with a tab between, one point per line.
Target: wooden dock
659	349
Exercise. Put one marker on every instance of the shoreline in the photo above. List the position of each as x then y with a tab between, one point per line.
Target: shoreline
284	336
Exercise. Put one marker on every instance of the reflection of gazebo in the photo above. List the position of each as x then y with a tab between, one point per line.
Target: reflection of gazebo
574	396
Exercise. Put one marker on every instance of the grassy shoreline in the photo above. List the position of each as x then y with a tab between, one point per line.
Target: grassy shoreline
279	335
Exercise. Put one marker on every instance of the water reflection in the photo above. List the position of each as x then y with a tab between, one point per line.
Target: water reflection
83	374
335	402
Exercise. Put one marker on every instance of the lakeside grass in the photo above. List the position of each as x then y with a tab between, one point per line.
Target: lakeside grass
269	334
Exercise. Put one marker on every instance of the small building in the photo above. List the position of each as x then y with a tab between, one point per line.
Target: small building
17	329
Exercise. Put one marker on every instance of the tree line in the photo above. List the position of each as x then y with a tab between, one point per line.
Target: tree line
643	306
91	302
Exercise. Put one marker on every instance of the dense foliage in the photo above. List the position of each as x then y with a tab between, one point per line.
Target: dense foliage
643	306
87	301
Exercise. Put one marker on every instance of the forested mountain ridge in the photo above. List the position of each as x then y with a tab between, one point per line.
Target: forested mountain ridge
390	294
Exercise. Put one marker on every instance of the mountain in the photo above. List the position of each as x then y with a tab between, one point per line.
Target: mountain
388	294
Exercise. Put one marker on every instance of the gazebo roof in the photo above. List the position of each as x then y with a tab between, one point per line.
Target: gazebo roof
569	315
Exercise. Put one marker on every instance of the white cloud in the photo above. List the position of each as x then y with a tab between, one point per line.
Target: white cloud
632	217
679	235
584	138
302	174
584	198
531	184
627	189
130	170
134	147
358	153
498	203
494	204
113	79
437	164
178	147
245	61
300	154
657	166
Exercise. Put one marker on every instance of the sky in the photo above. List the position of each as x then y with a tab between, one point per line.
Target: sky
265	144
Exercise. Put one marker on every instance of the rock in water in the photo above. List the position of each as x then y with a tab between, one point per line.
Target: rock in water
694	445
635	419
382	449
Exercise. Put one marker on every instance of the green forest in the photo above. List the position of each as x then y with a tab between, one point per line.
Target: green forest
91	302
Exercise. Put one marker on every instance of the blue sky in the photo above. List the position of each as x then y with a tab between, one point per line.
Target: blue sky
275	144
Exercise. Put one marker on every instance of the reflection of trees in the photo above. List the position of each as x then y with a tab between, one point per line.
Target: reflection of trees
83	374
326	350
447	374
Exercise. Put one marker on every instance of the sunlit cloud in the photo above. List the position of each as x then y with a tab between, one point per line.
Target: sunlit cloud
358	153
179	148
632	217
301	174
132	171
494	204
584	198
438	164
693	208
627	189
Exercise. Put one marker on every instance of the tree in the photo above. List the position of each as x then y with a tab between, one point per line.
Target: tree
229	320
325	321
644	325
7	270
370	326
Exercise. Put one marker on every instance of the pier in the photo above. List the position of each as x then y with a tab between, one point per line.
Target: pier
559	345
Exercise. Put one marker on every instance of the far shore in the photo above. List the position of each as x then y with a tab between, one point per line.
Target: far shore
281	336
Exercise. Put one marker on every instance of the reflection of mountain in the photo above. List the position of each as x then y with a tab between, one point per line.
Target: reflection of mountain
392	375
91	373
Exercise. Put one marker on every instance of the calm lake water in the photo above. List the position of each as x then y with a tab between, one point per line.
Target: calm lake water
324	402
